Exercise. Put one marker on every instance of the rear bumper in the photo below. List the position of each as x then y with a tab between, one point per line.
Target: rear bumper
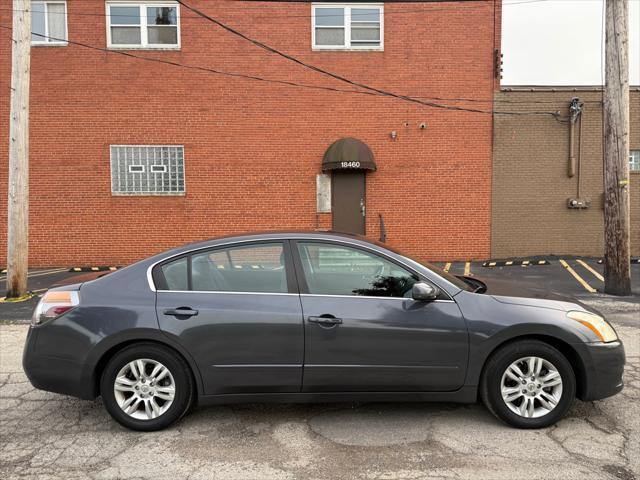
604	370
52	373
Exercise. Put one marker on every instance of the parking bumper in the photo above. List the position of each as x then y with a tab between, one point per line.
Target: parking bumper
605	370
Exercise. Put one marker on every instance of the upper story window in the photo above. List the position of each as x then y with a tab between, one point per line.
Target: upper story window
143	25
634	160
49	23
347	27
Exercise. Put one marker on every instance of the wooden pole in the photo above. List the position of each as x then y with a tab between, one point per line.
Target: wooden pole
617	271
18	201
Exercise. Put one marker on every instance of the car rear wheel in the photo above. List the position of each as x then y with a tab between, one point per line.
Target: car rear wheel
146	387
528	384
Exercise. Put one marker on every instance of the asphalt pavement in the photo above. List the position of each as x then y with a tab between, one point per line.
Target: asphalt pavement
49	436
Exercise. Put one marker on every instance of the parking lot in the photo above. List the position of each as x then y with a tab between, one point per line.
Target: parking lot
45	435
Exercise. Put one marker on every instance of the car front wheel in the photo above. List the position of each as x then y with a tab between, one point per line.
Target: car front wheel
528	384
146	387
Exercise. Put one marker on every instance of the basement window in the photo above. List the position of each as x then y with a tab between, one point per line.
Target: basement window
634	160
147	170
49	23
347	26
143	25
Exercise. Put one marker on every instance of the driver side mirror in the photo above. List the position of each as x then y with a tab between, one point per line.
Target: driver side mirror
424	292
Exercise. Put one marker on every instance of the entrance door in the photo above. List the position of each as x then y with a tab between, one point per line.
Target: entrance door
348	202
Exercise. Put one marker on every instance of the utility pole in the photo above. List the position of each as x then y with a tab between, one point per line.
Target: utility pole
18	201
617	271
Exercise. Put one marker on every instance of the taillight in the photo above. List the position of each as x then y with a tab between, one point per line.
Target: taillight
53	304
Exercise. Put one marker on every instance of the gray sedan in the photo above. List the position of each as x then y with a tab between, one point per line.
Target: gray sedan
299	317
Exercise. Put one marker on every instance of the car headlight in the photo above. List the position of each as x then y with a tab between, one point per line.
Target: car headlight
53	304
596	324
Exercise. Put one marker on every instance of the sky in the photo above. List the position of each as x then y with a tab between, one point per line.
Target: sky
558	42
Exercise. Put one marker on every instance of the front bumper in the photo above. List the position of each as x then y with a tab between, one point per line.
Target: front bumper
603	371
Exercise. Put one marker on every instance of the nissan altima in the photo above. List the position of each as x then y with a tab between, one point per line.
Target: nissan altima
301	317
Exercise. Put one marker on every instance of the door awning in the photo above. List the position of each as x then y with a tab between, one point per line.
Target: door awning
348	154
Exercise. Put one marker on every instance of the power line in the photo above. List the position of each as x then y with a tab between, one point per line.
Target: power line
286	82
343	79
197	67
368	91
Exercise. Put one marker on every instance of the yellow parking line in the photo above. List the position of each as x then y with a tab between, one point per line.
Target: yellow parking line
447	266
467	269
580	280
588	267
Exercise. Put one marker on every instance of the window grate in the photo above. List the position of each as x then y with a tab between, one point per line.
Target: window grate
147	170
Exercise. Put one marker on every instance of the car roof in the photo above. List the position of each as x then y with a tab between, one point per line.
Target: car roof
274	235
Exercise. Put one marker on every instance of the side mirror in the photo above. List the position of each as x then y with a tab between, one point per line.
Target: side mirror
424	292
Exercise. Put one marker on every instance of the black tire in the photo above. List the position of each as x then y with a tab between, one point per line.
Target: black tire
184	387
490	383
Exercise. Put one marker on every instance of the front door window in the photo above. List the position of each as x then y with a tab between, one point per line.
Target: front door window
340	270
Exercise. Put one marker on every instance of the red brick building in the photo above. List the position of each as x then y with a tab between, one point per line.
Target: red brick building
130	157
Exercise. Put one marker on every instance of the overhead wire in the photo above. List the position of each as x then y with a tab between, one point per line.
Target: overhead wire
341	78
364	88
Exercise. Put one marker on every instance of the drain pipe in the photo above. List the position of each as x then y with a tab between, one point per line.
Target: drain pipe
383	230
575	115
575	110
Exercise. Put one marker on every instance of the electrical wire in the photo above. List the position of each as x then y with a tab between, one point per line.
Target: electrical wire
367	89
556	115
341	78
197	67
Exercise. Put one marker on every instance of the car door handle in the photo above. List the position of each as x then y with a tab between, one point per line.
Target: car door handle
325	321
181	312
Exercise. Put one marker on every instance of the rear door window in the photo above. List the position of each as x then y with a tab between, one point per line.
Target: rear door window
256	268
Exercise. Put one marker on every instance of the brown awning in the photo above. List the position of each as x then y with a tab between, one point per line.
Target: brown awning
348	154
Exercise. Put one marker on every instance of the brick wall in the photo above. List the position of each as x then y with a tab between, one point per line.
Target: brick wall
252	149
530	182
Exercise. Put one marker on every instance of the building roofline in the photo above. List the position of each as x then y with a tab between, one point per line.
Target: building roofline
558	88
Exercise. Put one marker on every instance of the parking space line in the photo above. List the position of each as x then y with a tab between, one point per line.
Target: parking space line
447	267
467	269
594	272
41	273
580	280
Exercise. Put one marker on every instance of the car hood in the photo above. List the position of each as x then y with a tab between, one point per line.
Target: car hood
512	292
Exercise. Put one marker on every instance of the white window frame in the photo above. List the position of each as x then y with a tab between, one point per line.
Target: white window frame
144	33
347	27
634	153
47	42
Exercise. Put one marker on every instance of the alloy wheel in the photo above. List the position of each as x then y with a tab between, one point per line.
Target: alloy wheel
531	387
144	389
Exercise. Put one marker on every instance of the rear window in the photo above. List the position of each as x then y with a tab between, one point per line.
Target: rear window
257	268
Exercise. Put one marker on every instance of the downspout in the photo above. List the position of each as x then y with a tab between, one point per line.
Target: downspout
575	110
